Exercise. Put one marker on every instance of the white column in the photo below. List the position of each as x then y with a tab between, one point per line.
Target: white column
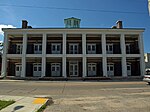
23	73
44	55
104	55
84	55
64	56
4	56
124	67
123	51
64	67
141	48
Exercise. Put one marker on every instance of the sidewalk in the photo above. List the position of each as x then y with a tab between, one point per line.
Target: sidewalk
23	104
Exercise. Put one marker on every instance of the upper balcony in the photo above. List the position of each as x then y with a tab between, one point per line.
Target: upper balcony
132	46
34	44
93	44
113	44
74	44
15	44
54	44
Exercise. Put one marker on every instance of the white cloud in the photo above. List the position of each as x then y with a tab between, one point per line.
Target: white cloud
5	26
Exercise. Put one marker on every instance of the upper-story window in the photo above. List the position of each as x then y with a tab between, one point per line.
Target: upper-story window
19	49
109	48
91	48
73	48
128	48
37	48
56	48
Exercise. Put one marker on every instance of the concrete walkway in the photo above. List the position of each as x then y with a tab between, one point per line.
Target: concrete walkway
23	104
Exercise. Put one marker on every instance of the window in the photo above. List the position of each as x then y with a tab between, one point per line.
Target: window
128	67
19	49
56	48
39	68
109	48
73	48
17	68
37	48
128	48
111	68
91	48
35	68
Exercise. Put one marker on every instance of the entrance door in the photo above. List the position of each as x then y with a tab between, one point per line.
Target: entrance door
129	69
37	70
73	48
109	48
73	68
91	69
55	69
110	70
18	70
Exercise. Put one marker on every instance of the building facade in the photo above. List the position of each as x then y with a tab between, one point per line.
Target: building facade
147	62
73	52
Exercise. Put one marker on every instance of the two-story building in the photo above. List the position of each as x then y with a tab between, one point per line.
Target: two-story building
73	51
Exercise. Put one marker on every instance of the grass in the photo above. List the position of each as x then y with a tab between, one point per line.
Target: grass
42	108
4	103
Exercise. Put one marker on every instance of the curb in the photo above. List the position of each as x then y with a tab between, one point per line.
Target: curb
48	102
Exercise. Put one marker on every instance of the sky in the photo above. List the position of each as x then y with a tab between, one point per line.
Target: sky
93	14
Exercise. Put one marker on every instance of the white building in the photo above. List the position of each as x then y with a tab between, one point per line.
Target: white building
73	51
147	61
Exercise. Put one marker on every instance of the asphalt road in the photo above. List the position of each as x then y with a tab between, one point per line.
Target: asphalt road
78	96
74	88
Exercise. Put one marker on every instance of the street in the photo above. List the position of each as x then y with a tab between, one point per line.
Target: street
73	96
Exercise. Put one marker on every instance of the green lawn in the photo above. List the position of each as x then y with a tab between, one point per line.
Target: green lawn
4	103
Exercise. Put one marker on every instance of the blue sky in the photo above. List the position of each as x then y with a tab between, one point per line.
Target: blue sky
50	13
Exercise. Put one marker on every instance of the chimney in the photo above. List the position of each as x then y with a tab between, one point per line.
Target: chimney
29	26
119	24
24	24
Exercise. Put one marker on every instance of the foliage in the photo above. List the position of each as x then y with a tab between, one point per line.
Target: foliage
42	108
4	103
